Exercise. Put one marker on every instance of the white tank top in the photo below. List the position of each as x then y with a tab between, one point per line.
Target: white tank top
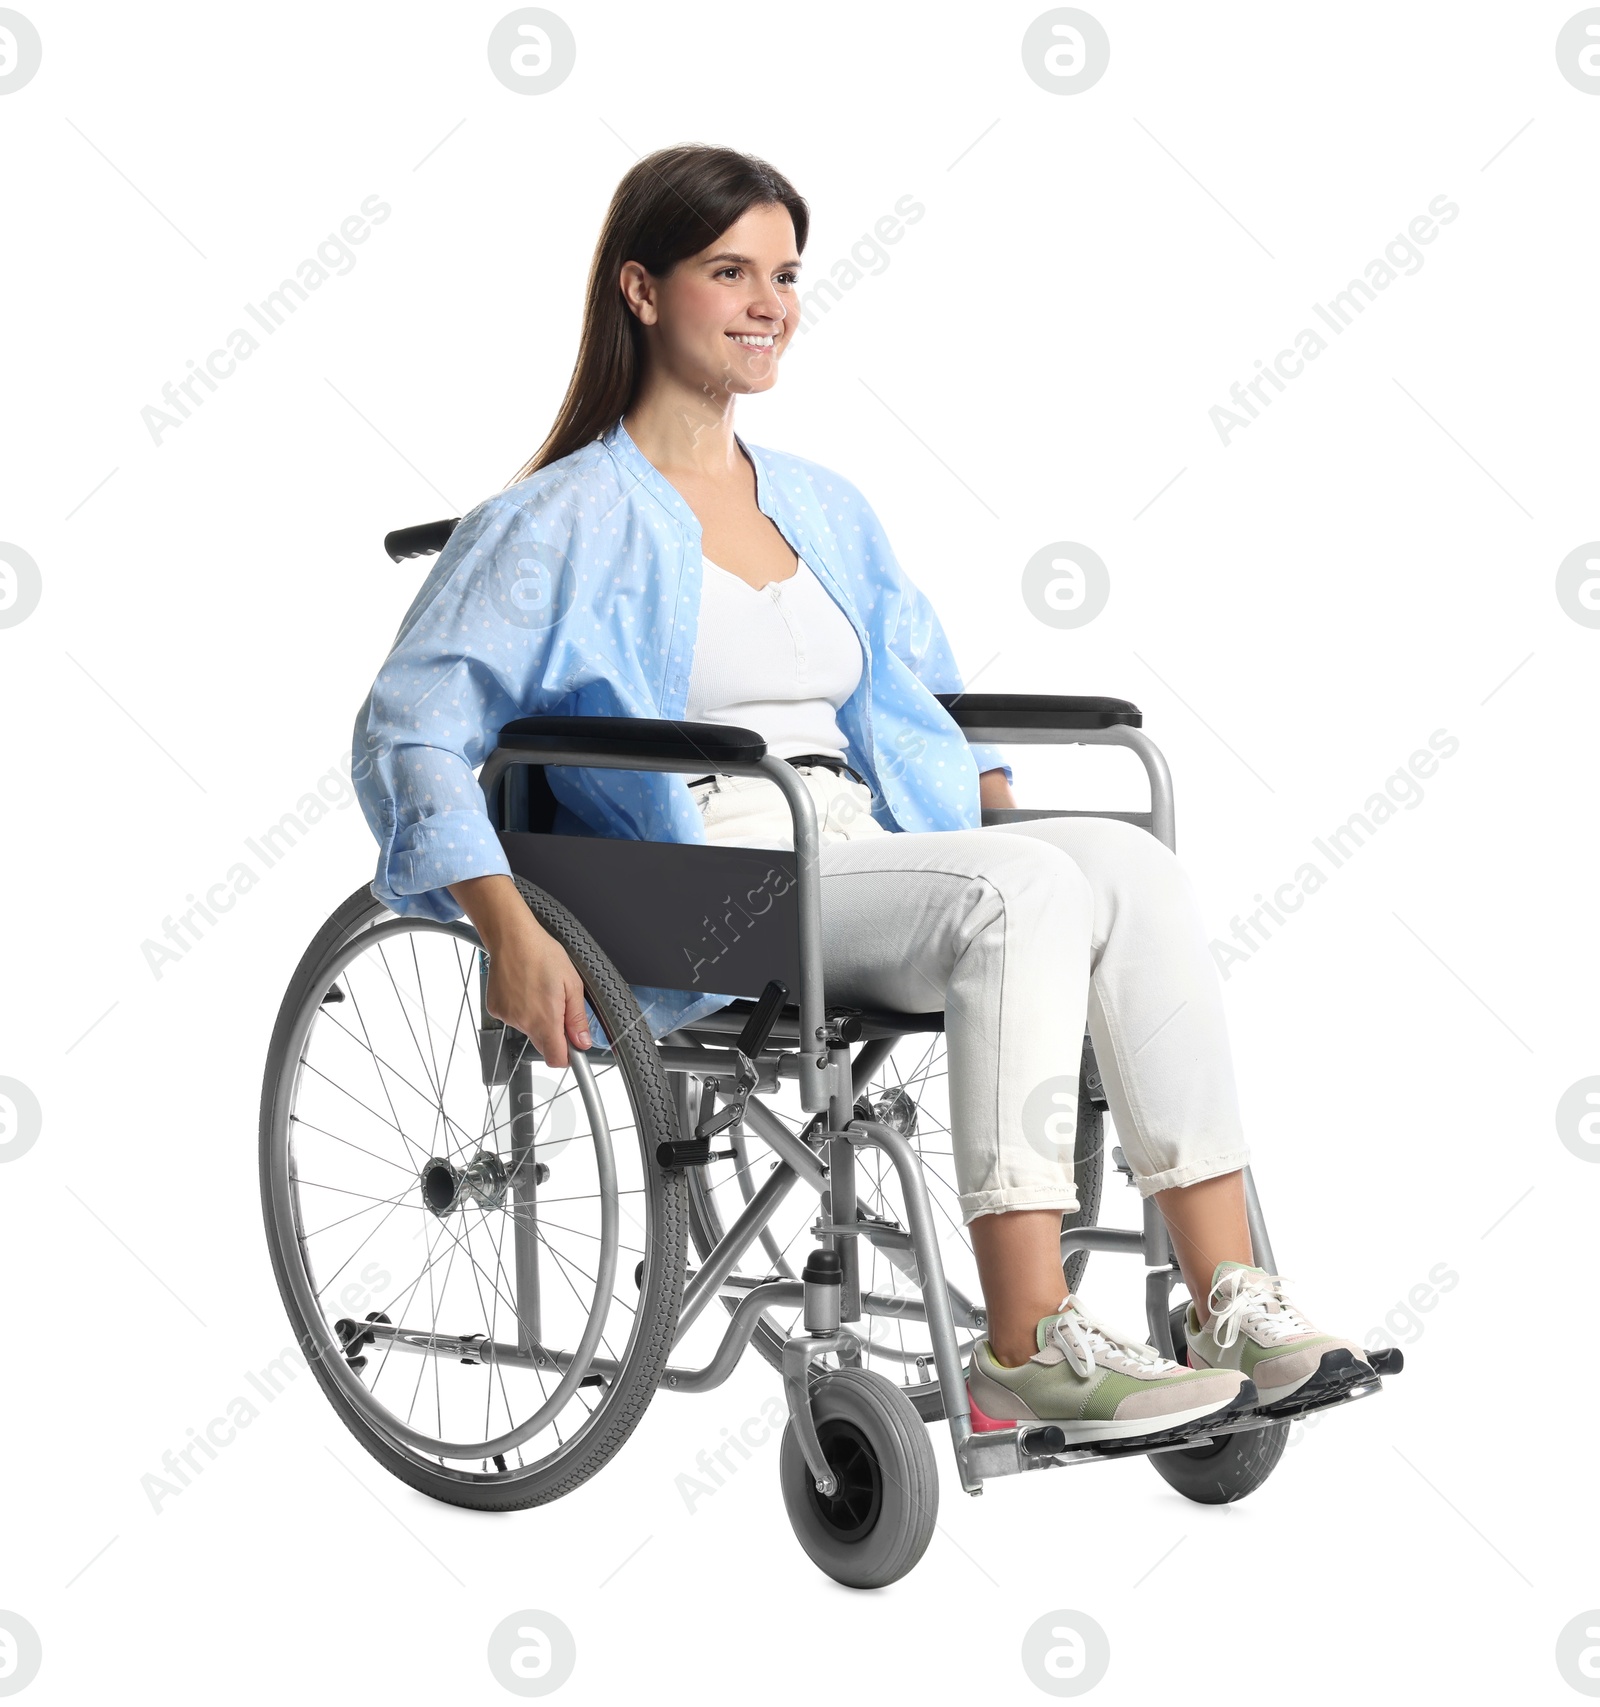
780	659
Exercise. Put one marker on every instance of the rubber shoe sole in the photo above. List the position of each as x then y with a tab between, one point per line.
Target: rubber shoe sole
1333	1377
1084	1433
1243	1405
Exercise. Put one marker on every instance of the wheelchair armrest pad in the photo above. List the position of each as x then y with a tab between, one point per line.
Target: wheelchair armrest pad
1038	710
651	740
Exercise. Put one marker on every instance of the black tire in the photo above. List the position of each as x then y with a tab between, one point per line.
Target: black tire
1232	1466
878	1523
617	1414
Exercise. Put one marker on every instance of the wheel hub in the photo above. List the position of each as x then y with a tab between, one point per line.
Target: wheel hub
893	1108
852	1508
446	1187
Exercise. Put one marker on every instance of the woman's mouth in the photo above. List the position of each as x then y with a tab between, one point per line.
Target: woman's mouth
754	341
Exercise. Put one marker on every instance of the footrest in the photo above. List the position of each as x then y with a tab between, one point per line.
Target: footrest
1190	1435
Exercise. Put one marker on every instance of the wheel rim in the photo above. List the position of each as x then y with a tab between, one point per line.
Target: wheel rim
411	989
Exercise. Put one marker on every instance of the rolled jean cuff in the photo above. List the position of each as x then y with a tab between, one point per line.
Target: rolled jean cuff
1208	1167
1002	1198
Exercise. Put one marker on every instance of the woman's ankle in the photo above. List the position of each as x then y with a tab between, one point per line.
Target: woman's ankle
1011	1354
1015	1339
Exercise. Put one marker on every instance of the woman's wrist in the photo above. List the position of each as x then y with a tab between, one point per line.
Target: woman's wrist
497	911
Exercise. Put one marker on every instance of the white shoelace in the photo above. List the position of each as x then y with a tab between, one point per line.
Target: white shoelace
1080	1337
1254	1300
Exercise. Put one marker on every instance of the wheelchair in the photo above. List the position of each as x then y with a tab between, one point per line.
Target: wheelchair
487	1260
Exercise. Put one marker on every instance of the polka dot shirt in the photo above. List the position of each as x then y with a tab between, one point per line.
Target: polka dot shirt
576	592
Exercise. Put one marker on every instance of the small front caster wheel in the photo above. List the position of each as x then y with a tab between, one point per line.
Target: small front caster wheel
879	1519
1231	1466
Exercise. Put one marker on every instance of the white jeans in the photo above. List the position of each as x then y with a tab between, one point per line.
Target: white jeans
751	812
1021	932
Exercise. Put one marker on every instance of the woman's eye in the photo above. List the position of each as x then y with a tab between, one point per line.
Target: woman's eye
787	277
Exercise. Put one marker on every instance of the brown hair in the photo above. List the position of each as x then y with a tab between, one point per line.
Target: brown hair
669	205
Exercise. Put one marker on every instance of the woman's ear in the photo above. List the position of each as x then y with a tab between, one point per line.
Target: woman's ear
638	291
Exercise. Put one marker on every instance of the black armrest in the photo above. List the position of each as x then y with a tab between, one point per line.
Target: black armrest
646	738
420	541
1038	710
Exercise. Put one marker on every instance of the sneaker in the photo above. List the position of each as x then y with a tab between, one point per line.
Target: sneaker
1096	1384
1255	1329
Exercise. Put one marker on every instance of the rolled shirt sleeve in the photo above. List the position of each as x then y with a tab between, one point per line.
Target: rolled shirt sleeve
468	659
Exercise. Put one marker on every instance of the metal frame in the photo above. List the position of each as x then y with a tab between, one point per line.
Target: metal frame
828	1087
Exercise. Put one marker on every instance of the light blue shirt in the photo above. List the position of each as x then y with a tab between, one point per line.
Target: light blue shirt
576	592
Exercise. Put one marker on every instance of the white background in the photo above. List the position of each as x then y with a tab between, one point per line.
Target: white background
1035	361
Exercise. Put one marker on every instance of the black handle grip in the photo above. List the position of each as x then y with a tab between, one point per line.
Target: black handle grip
421	541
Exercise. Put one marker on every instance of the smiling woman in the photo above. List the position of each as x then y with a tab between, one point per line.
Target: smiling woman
603	583
717	325
687	231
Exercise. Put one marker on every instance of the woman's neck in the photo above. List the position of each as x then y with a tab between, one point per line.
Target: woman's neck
678	430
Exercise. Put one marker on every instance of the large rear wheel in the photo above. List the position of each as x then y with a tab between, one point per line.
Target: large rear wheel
455	1226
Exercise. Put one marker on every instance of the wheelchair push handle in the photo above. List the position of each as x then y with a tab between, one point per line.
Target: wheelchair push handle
420	541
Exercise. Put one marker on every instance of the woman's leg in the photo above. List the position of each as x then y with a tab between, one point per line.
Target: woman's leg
1207	1223
919	922
995	933
1156	1020
923	922
1019	1266
1155	1003
1006	946
1000	932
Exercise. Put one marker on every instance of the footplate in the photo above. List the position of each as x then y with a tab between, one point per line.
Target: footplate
1038	1446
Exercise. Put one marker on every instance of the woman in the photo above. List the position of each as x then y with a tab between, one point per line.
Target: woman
648	563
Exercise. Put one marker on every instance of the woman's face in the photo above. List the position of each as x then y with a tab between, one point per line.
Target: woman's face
720	321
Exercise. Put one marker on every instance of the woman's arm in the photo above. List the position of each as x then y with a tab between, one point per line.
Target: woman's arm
467	660
915	635
469	657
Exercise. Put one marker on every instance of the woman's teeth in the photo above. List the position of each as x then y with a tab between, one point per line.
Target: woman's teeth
752	343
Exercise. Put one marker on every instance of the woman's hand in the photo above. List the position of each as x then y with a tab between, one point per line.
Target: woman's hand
994	790
533	985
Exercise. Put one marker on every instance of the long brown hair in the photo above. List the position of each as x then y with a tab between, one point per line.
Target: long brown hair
669	205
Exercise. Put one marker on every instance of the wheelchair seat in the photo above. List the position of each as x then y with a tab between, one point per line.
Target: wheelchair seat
862	1025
